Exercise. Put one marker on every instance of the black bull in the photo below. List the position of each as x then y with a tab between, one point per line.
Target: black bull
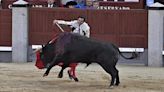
73	48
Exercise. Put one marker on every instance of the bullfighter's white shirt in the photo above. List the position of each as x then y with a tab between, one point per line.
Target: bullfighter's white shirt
82	29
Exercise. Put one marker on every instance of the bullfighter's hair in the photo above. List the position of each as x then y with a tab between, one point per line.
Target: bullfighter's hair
82	17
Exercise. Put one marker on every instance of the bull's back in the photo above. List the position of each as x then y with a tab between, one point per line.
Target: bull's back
88	47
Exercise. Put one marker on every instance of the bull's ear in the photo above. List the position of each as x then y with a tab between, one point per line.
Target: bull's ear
43	46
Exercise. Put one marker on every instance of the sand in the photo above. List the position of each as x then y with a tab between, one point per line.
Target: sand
25	77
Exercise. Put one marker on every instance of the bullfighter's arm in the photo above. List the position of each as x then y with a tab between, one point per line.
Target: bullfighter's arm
64	22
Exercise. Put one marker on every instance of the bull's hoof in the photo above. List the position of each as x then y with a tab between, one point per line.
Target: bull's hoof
44	75
111	87
117	84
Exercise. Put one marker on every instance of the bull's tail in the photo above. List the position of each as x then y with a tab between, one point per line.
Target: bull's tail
134	54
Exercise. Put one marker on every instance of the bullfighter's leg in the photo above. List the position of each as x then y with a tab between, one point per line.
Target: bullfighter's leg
72	73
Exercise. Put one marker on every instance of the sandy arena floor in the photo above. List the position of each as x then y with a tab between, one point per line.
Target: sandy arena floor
25	77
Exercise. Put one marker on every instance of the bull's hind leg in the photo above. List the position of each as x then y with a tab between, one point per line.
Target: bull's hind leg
110	69
117	77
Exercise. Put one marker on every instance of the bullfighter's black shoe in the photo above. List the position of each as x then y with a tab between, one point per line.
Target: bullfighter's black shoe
76	79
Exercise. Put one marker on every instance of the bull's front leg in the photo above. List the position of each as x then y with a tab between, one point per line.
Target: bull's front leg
51	65
61	72
47	71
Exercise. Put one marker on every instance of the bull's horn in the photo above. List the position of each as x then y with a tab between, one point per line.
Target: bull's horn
38	49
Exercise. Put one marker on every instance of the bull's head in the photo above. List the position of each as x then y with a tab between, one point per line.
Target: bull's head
53	47
45	55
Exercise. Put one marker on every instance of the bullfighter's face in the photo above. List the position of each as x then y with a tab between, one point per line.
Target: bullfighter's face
80	21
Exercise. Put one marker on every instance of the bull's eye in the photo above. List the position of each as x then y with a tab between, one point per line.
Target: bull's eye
41	56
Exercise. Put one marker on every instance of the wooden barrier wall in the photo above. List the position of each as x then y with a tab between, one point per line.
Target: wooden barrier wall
126	28
41	22
5	27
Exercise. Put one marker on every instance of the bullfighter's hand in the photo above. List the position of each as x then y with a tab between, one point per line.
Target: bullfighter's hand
55	21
